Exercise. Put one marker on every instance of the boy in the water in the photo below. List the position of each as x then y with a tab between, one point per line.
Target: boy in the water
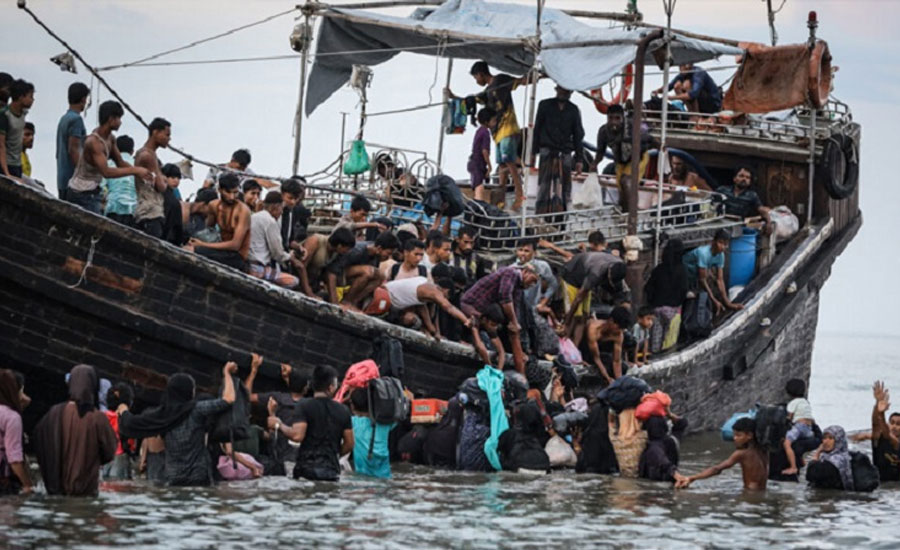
754	460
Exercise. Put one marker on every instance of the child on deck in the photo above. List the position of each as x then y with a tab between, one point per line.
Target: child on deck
378	462
754	460
480	160
800	413
641	333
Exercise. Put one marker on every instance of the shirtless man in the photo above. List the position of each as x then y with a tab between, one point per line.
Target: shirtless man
233	218
754	460
409	299
149	215
93	165
680	175
608	330
321	250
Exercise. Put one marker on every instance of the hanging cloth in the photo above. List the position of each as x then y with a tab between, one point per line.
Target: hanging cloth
490	380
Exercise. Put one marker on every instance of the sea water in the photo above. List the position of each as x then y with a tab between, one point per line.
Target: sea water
420	508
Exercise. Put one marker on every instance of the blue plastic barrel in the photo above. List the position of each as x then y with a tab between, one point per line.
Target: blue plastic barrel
743	258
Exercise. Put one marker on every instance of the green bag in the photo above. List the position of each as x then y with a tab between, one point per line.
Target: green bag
358	160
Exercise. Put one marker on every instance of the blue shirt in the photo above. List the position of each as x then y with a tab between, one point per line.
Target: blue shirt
121	197
70	125
701	256
380	463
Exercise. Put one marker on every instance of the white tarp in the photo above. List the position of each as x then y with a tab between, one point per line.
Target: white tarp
497	33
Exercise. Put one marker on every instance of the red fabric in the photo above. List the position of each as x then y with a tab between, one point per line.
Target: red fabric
380	304
780	77
653	404
358	375
114	422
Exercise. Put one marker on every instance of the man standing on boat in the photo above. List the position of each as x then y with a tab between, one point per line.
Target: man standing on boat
233	217
93	165
497	94
70	133
616	134
150	215
558	135
12	127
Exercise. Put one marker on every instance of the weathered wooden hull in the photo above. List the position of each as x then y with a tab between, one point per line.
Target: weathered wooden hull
78	288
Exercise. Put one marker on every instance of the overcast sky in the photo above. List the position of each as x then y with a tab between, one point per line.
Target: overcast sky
216	109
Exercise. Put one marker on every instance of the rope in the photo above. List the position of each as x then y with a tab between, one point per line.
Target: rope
87	264
441	48
143	123
406	110
196	42
217	61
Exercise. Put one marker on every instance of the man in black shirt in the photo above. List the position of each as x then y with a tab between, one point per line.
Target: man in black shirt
360	270
323	429
558	134
742	201
295	219
616	134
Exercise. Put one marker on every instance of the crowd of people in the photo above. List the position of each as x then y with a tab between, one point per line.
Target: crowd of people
322	426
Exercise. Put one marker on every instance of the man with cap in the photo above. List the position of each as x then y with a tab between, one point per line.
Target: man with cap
558	135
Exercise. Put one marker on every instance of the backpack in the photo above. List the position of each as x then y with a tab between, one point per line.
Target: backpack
395	269
772	425
697	316
233	424
388	355
865	474
440	191
358	159
387	402
496	228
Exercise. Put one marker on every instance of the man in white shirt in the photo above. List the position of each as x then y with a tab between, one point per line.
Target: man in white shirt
267	254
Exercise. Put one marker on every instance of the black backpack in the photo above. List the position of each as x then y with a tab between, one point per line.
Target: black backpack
772	425
496	228
233	424
387	353
387	402
865	475
442	190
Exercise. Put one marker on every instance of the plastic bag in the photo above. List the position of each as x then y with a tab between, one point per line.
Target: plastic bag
358	159
588	194
561	453
570	351
231	470
728	426
786	223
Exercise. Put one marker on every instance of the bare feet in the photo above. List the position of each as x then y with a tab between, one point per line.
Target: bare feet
789	471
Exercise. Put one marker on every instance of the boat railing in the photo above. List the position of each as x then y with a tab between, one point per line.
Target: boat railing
793	129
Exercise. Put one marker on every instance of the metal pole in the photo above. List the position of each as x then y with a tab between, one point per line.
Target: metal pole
440	151
529	140
298	116
662	146
812	23
634	181
343	138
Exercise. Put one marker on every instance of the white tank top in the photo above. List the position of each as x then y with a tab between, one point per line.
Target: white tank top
403	292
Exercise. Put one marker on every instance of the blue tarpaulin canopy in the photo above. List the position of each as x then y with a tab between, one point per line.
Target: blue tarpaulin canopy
575	55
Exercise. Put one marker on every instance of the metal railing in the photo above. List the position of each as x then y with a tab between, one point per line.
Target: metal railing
498	231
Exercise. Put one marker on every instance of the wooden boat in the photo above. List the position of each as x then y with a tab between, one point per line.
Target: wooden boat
79	288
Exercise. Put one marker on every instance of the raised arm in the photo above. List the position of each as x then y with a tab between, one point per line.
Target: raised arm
544	243
228	393
882	404
255	362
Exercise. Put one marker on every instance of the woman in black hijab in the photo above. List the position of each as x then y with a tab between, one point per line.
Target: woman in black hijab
182	421
659	461
597	453
74	439
665	293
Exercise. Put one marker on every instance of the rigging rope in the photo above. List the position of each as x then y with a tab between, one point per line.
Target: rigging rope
143	123
196	42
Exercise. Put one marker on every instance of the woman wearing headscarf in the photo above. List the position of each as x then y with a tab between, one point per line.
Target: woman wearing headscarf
522	447
74	439
834	452
597	454
182	422
13	471
665	293
659	461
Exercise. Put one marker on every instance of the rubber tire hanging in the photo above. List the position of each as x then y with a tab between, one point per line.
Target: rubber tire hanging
838	168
